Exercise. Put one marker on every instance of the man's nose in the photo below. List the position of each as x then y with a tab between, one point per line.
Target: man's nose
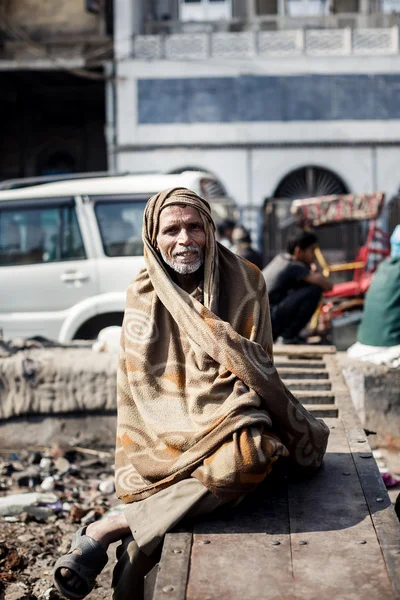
184	236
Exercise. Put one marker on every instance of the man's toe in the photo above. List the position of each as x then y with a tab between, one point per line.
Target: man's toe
66	574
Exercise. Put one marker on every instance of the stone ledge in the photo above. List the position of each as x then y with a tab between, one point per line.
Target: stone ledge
375	391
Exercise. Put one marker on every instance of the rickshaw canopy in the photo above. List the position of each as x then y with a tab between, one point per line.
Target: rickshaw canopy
326	210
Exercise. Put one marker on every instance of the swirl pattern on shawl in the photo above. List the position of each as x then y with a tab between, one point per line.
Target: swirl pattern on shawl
198	393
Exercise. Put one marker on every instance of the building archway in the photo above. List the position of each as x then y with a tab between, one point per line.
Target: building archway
308	182
339	243
212	187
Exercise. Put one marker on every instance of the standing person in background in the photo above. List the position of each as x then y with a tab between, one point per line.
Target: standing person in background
224	231
294	287
242	246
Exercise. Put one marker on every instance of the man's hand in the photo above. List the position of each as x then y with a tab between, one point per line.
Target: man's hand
316	278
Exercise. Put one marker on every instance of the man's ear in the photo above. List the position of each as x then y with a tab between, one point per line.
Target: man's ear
296	251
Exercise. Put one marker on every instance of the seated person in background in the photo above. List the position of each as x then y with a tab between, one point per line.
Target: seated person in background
224	231
379	330
294	287
242	246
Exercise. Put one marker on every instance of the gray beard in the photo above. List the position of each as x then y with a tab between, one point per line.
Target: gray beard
180	268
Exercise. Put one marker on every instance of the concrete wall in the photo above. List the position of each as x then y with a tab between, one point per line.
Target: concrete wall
252	175
49	18
252	156
375	391
257	123
230	165
251	121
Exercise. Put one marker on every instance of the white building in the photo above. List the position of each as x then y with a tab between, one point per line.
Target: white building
283	98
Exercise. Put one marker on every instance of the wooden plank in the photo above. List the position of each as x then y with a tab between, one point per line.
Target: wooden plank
150	583
303	351
302	373
306	384
243	559
335	550
352	537
382	513
173	567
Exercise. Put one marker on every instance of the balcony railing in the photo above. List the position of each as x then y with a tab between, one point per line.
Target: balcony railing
264	44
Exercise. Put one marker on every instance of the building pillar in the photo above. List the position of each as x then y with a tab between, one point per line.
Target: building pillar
364	7
128	21
251	10
282	8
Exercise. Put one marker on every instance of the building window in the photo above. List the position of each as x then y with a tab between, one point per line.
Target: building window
390	6
307	8
205	10
309	182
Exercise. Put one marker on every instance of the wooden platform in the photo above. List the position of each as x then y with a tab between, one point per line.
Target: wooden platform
334	536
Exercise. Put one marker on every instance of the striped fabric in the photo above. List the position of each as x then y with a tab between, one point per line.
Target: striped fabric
198	393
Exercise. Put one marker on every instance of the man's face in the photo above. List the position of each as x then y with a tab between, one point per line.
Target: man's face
307	255
181	238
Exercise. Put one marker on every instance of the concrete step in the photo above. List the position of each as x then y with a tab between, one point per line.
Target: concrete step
299	364
307	384
291	373
312	397
323	410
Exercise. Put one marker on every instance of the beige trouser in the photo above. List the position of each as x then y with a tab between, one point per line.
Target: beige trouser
149	520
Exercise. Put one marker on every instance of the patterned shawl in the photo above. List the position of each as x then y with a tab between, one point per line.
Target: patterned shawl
198	393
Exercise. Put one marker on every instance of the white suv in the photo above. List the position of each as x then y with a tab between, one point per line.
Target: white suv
68	250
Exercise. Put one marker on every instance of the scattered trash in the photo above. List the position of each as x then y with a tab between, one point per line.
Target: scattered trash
45	495
48	484
17	591
107	486
18	503
108	340
62	465
389	480
45	463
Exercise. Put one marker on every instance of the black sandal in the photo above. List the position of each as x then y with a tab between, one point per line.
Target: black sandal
87	565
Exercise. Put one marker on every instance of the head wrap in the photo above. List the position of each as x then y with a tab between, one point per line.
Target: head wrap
151	223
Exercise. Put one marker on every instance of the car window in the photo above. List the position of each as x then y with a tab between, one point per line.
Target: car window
120	225
30	235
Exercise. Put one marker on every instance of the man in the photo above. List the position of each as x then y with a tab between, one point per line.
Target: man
225	229
202	413
378	336
294	287
242	246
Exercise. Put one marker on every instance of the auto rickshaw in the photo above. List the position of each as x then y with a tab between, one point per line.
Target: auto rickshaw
333	210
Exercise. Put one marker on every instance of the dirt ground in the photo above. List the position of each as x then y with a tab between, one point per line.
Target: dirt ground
31	541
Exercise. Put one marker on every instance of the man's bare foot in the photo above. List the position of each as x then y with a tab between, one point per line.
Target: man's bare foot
106	531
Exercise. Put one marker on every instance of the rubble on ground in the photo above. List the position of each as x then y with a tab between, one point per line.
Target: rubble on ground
45	495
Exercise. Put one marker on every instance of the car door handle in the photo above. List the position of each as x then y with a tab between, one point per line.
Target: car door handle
71	276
